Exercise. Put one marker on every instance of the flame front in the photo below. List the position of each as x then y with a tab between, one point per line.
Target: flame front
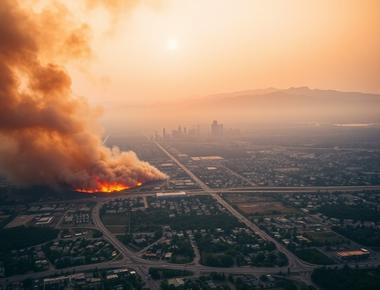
106	186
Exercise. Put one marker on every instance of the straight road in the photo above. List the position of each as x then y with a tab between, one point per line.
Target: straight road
246	189
294	262
332	189
132	260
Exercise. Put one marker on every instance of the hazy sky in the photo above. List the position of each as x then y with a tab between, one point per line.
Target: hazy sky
187	48
127	55
123	54
157	51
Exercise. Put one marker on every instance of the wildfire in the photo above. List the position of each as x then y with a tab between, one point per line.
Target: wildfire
106	186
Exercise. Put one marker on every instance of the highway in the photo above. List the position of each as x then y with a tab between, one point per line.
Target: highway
132	259
287	189
246	189
294	262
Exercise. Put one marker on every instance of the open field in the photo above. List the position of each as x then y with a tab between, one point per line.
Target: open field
116	223
258	204
20	220
264	208
14	238
114	219
323	238
314	256
248	198
117	229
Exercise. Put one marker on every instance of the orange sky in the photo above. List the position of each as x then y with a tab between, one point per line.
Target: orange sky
170	49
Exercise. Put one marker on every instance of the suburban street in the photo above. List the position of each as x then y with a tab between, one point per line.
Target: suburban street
299	269
294	262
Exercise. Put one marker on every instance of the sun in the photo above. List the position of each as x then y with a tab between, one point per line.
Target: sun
172	44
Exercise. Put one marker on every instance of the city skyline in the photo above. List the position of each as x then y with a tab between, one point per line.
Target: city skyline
189	145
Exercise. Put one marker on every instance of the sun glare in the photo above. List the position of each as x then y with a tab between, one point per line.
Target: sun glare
172	44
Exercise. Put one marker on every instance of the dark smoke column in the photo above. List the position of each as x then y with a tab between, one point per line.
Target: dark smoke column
47	136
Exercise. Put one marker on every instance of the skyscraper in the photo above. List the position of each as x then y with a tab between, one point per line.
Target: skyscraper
216	129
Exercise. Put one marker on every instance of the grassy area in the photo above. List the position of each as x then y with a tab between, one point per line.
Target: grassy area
358	212
117	229
325	238
292	285
265	208
180	259
23	237
115	219
162	273
154	218
217	260
346	278
362	235
5	219
314	256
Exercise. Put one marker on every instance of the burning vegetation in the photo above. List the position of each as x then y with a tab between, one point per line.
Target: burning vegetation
48	136
108	187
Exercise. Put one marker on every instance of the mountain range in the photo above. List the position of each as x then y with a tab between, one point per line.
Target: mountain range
295	103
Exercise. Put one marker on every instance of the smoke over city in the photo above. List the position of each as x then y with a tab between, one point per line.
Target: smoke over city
48	136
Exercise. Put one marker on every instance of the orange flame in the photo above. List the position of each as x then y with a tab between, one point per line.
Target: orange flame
106	186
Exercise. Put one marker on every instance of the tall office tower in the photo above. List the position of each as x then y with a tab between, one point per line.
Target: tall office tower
216	129
179	130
